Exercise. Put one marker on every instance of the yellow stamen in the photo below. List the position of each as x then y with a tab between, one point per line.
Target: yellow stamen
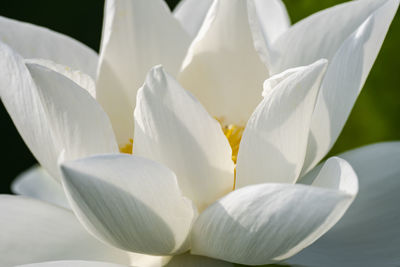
234	135
127	149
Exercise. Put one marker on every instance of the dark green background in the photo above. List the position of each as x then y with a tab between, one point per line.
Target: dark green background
375	117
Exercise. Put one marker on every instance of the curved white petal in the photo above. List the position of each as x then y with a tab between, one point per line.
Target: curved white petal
273	17
345	76
368	234
52	113
273	81
172	127
72	263
32	41
37	183
261	224
337	173
130	202
274	141
137	35
80	78
191	14
78	125
223	68
321	34
34	231
188	260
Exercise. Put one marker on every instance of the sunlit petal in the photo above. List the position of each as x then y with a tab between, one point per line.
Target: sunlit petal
172	127
223	68
265	223
137	35
275	139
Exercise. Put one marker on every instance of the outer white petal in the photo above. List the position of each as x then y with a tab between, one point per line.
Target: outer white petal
37	183
191	14
34	231
137	35
184	260
275	139
369	234
188	260
80	78
261	224
32	41
274	19
321	34
130	202
52	113
344	79
72	263
172	127
78	125
223	68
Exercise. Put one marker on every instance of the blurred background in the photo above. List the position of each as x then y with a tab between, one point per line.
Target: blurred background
375	117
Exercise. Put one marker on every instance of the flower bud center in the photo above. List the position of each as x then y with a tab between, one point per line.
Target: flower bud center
234	134
127	149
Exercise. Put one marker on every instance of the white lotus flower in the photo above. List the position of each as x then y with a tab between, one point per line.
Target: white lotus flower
179	194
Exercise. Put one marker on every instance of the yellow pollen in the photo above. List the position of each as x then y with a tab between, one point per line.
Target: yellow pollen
234	134
127	149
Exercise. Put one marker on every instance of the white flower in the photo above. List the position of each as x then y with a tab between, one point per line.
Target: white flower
181	190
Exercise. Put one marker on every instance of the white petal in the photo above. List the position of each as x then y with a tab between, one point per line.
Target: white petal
78	124
273	81
80	78
172	127
261	224
130	202
321	34
72	263
52	113
274	19
275	139
137	35
336	173
188	260
344	79
185	260
32	41
37	183
191	14
34	231
369	233
144	260
223	68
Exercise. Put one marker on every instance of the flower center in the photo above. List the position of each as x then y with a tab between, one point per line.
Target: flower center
127	149
234	134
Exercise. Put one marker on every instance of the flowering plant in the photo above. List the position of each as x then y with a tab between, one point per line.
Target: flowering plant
223	173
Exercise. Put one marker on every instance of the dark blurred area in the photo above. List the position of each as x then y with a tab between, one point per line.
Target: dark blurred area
375	117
